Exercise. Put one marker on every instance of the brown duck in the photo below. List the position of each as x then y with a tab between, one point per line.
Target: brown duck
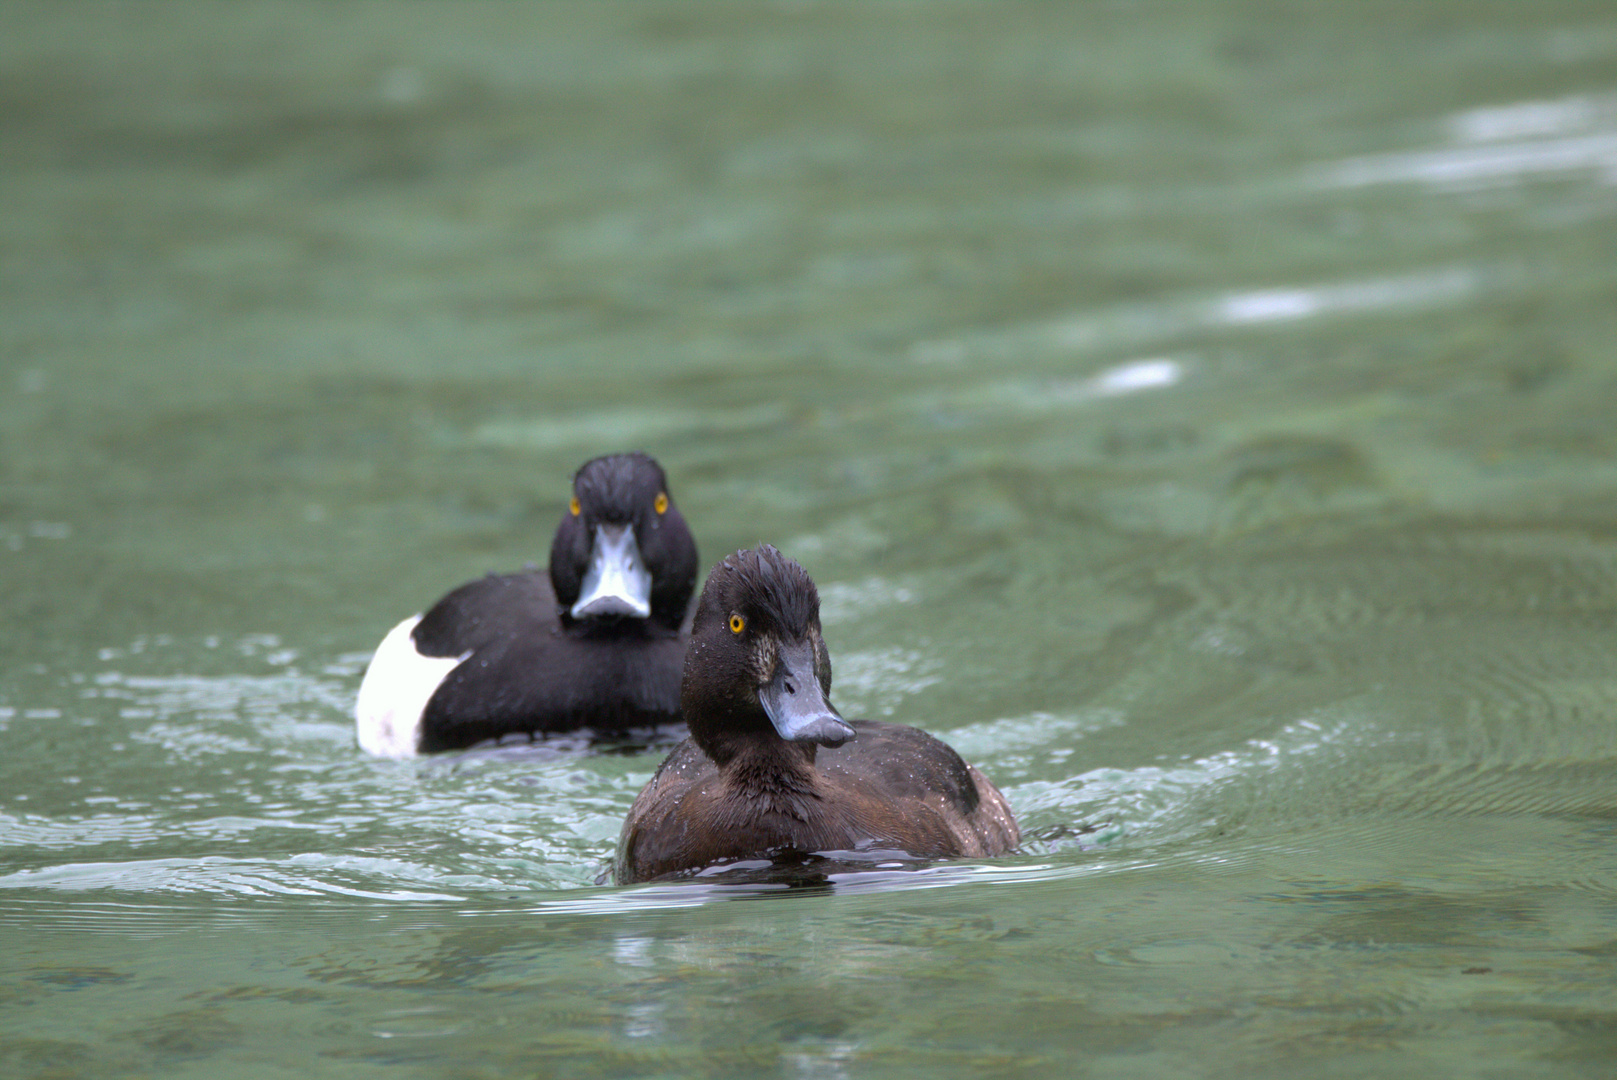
771	768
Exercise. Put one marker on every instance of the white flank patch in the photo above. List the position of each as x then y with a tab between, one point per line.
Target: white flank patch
395	692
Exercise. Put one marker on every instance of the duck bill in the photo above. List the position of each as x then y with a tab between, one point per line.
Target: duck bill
617	582
797	706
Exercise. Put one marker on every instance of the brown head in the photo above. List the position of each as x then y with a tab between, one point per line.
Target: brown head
757	672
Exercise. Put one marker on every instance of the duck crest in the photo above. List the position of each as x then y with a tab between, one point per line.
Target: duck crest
780	589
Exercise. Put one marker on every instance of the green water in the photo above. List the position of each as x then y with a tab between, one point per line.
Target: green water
1203	416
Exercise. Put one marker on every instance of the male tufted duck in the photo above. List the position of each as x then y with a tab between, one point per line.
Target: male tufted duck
596	642
772	768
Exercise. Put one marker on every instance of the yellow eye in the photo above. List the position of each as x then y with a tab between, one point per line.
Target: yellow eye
661	505
737	624
573	506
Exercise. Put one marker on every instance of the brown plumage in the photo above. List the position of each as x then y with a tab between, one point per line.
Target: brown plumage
771	768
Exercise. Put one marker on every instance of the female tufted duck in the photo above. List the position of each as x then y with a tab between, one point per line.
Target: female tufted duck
771	768
594	643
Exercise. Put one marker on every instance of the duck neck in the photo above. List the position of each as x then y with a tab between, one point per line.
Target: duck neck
760	761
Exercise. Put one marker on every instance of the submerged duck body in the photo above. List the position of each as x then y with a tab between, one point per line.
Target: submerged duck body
770	766
595	641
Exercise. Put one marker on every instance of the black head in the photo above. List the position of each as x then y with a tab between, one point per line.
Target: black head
623	549
757	670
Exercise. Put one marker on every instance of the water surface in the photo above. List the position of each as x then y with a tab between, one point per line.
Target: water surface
1199	416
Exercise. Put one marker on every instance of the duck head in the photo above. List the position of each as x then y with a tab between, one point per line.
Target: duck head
757	671
622	550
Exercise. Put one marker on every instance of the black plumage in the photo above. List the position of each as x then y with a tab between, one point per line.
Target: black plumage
532	661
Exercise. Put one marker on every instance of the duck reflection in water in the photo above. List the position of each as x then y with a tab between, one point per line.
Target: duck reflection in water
772	771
